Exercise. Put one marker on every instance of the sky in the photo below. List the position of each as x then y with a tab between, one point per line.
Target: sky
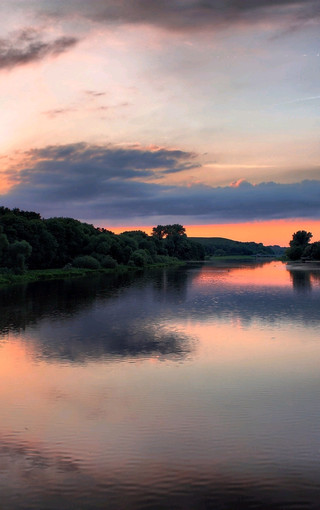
128	114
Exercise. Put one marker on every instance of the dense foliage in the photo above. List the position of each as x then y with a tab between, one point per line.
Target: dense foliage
219	247
27	240
301	248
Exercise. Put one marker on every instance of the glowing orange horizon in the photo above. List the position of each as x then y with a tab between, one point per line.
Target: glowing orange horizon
267	232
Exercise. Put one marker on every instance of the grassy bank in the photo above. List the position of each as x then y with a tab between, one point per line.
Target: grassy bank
58	274
47	274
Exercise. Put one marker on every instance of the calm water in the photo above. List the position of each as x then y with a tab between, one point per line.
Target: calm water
192	388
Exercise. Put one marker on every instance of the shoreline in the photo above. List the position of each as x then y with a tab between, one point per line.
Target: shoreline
306	265
36	275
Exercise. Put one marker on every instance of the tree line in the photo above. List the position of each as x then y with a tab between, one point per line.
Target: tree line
220	246
28	241
301	248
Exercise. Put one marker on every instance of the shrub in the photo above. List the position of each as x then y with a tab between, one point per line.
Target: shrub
219	253
108	262
86	262
139	258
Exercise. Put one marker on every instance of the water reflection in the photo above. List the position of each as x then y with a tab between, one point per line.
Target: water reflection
301	280
52	482
23	305
133	315
90	318
182	389
304	276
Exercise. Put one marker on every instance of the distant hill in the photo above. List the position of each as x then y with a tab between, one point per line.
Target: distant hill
219	246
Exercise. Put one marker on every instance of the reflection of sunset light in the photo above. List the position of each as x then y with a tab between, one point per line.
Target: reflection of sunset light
247	345
270	274
13	356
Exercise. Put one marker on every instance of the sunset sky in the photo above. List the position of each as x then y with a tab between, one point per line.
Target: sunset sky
131	113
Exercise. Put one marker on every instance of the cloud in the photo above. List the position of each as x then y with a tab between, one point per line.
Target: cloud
59	111
113	183
27	46
184	15
239	182
90	172
299	100
115	159
94	93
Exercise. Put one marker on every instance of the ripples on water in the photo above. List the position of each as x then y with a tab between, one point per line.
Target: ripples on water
182	389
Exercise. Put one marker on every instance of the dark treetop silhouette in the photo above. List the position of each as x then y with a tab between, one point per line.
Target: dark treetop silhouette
27	240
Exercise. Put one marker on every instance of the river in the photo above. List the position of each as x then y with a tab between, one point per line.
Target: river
186	388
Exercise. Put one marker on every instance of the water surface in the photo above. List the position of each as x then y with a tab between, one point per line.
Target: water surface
189	388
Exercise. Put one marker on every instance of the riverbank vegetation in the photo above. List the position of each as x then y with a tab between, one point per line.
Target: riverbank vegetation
33	275
29	242
220	247
301	248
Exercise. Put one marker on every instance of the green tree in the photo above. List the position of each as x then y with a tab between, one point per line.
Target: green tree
300	238
107	262
3	244
175	230
18	254
86	262
162	231
298	244
139	258
72	238
312	251
159	232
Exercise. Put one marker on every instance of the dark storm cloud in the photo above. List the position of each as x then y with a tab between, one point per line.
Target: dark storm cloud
184	14
27	46
94	182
